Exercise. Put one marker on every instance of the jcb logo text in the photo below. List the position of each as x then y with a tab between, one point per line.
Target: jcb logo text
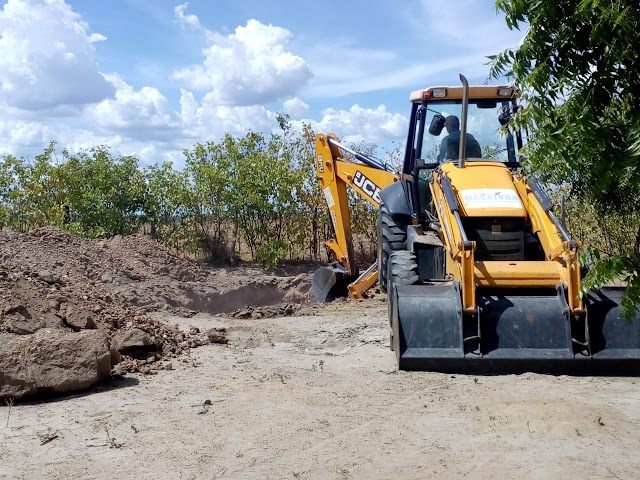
367	186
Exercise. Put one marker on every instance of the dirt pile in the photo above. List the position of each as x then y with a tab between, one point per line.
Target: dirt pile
65	295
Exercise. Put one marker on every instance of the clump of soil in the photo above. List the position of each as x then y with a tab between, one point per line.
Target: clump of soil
267	311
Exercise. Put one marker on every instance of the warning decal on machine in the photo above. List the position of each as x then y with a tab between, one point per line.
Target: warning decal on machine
490	198
329	197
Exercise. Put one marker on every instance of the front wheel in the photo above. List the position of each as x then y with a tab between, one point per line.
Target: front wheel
402	270
392	237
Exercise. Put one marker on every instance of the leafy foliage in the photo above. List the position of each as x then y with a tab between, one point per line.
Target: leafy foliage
103	195
258	192
578	68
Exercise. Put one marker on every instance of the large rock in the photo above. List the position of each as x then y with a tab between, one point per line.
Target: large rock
52	360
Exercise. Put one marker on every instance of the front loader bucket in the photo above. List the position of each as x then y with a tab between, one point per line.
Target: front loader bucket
615	341
517	331
329	283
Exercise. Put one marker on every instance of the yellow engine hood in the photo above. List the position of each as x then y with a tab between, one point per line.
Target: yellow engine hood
485	189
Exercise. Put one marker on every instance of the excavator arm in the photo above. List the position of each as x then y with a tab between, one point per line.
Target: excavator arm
343	277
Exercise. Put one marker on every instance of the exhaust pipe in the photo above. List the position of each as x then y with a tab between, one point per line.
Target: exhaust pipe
463	121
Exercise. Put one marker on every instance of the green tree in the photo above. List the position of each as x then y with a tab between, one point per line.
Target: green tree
207	203
578	68
167	204
263	199
104	195
249	184
304	230
31	193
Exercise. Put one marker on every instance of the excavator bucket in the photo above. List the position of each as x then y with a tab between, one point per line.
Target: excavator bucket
329	283
517	331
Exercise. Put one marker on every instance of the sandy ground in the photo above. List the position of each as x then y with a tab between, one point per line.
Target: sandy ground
319	397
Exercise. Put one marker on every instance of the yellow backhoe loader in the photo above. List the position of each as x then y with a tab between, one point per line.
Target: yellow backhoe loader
343	277
479	272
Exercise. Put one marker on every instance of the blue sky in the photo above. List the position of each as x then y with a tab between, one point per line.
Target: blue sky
151	77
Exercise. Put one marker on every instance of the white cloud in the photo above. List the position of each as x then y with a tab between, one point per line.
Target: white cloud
363	124
144	109
47	57
213	120
77	139
188	21
96	37
208	120
188	108
20	135
295	107
248	67
227	92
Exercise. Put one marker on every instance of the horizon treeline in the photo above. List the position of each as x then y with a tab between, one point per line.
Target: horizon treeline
252	198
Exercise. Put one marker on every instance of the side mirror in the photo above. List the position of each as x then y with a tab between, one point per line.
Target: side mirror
505	115
504	118
436	125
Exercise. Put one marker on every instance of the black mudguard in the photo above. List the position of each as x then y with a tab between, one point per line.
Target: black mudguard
396	200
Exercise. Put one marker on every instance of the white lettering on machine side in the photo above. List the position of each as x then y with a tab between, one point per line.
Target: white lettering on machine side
490	198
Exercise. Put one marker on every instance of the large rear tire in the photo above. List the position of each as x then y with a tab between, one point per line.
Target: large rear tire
402	270
392	237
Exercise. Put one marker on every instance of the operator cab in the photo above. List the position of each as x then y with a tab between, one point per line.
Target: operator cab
434	133
436	117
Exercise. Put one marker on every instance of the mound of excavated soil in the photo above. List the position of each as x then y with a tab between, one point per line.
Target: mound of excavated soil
70	308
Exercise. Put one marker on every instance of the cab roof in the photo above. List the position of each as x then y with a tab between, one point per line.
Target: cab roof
455	93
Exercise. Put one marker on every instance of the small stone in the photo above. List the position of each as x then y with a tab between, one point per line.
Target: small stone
217	335
16	308
207	402
53	305
131	275
106	277
47	276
